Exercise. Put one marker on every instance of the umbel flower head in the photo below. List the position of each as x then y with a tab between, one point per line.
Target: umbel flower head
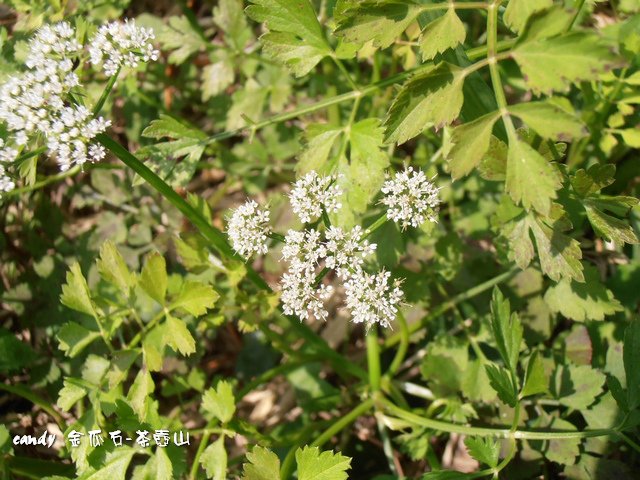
37	102
118	44
372	298
313	193
249	229
411	198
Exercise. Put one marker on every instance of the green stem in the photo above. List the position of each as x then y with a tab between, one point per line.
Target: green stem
36	400
106	92
577	15
376	225
449	427
402	349
386	445
373	358
344	71
444	307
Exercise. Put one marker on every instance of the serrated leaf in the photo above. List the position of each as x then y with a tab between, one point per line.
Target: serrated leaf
214	460
314	465
263	465
443	33
535	381
69	395
73	338
296	37
75	293
469	143
195	298
564	450
549	120
216	78
507	329
219	401
113	268
247	103
153	279
320	139
95	368
577	386
229	16
114	467
139	393
631	359
180	37
500	380
597	177
531	179
578	55
486	450
168	126
559	254
379	22
607	226
589	300
518	11
430	99
178	336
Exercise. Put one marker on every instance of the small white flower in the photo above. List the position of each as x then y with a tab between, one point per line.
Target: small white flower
411	198
50	43
248	229
118	44
6	183
300	296
371	299
303	250
7	154
346	251
312	193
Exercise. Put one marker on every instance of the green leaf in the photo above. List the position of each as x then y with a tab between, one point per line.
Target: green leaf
229	16
247	103
507	329
75	293
214	460
178	336
631	358
535	381
181	39
429	99
563	450
559	254
577	386
320	139
69	395
114	467
219	401
73	338
216	78
486	450
314	465
590	300
140	393
578	55
296	37
263	465
381	22
469	143
597	177
113	268
443	33
15	354
607	226
195	298
153	279
531	179
500	380
518	11
168	126
550	120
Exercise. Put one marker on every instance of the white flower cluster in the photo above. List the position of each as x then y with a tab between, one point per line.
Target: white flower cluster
313	193
120	44
6	155
411	198
37	102
371	298
248	229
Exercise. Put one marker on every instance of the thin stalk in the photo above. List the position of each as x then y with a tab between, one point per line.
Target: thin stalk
373	358
444	307
193	474
402	349
344	71
106	92
36	400
386	445
577	15
450	427
376	225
